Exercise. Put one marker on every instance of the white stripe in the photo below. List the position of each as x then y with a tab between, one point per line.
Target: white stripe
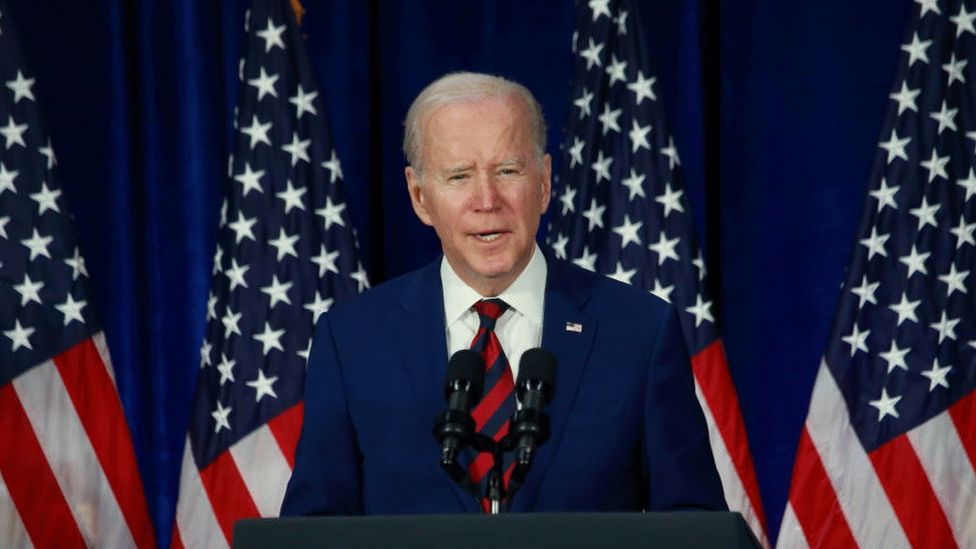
735	490
12	531
195	518
946	463
102	347
264	469
859	491
790	533
72	457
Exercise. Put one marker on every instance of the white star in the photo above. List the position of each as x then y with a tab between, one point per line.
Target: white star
592	56
936	165
670	199
29	290
635	183
946	118
46	199
954	279
278	292
665	248
263	386
946	327
242	227
559	246
303	102
969	183
927	6
13	133
331	213
663	292
915	262
265	84
865	292
230	321
964	233
672	153
895	357
211	306
235	275
257	131
608	119
77	264
917	50
885	195
628	232
285	244
21	87
205	349
270	339
587	260
638	136
600	7
360	277
318	306
699	262
37	245
615	70
272	36
226	369
566	199
19	335
857	339
326	261
584	104
621	21
905	309
71	309
906	98
304	354
576	153
594	215
48	153
895	146
3	226
298	149
954	69
7	179
622	275
292	197
334	167
886	405
642	88
875	243
963	21
937	375
602	166
925	213
220	417
251	180
702	310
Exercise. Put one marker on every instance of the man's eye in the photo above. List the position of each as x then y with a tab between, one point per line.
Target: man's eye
508	171
457	177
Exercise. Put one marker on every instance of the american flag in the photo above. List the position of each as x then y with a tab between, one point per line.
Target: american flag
886	456
68	473
622	211
286	252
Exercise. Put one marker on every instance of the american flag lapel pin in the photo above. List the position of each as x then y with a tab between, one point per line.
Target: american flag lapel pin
574	327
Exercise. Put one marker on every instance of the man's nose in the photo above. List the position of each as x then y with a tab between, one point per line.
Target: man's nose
486	192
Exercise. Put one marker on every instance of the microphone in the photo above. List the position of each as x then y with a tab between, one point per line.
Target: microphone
530	425
462	388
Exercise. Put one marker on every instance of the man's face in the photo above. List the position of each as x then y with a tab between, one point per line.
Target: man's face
483	189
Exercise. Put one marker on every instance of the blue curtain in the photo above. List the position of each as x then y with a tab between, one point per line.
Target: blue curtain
776	109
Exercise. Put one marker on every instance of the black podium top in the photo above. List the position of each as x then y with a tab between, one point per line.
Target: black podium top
535	530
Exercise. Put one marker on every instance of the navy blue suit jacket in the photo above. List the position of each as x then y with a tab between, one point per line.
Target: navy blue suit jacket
627	433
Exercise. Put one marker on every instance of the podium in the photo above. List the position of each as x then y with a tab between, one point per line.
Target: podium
511	531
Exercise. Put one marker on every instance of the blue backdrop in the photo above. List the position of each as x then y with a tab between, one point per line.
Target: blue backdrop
776	109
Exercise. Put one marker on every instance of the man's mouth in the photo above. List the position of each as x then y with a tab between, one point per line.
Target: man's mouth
488	236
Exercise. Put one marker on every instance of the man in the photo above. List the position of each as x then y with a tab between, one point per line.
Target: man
624	396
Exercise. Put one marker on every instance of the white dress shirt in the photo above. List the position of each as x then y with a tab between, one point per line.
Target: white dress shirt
518	329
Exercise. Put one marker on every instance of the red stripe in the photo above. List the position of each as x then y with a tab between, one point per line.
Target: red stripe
97	404
814	501
911	495
712	373
176	542
963	415
228	493
286	428
493	348
490	403
30	480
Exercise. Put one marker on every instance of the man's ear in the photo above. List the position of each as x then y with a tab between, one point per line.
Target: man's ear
417	198
546	183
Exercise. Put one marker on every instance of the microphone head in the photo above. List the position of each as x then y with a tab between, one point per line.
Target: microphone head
466	366
537	365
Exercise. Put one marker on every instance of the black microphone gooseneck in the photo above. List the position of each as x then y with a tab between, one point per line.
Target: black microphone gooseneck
530	425
454	428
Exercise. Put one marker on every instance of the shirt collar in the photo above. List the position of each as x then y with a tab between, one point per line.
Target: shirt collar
526	293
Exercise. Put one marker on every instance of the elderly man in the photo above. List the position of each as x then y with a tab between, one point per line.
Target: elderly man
478	174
